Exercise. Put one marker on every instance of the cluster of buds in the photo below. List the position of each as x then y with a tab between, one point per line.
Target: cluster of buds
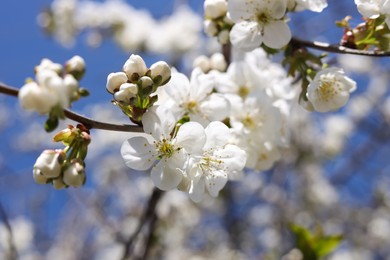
54	89
64	168
134	88
216	23
216	62
371	33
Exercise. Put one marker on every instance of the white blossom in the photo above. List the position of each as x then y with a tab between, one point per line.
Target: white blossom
194	98
115	80
211	169
170	151
135	65
330	90
312	5
215	8
74	175
49	164
257	22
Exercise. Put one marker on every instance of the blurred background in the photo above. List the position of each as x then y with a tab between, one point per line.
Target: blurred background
334	178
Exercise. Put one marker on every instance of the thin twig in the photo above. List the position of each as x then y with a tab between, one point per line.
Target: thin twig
335	48
146	217
13	254
88	122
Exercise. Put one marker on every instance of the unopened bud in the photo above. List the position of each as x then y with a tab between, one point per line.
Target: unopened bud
115	80
126	92
135	67
215	8
218	62
202	62
47	64
36	98
223	37
74	175
49	163
39	177
58	184
210	28
146	86
160	72
75	66
72	85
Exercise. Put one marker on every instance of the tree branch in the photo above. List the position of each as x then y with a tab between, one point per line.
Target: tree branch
88	122
148	216
335	48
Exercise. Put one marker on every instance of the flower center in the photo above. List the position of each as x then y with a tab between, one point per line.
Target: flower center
165	148
243	91
248	121
192	106
328	88
208	163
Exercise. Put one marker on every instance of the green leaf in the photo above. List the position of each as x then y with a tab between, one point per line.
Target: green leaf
51	124
327	244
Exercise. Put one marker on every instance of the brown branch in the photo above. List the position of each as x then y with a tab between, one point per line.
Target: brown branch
88	122
335	48
148	216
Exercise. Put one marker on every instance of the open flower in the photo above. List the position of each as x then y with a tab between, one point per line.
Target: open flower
257	22
170	151
195	99
218	162
330	90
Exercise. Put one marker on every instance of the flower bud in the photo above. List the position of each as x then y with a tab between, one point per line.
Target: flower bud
72	86
115	80
49	163
39	177
223	37
160	72
135	67
126	92
218	62
75	66
145	86
210	28
66	135
58	183
202	62
35	98
47	64
74	175
215	8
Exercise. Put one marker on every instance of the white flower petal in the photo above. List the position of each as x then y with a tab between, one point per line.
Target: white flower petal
197	189
178	87
240	11
215	181
138	153
191	137
233	157
165	177
218	135
277	8
245	36
276	34
215	107
158	121
201	85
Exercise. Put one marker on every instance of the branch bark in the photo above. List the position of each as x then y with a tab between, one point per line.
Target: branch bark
88	122
335	48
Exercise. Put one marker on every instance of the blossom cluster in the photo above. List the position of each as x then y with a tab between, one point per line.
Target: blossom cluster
55	88
130	28
64	167
249	24
133	88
